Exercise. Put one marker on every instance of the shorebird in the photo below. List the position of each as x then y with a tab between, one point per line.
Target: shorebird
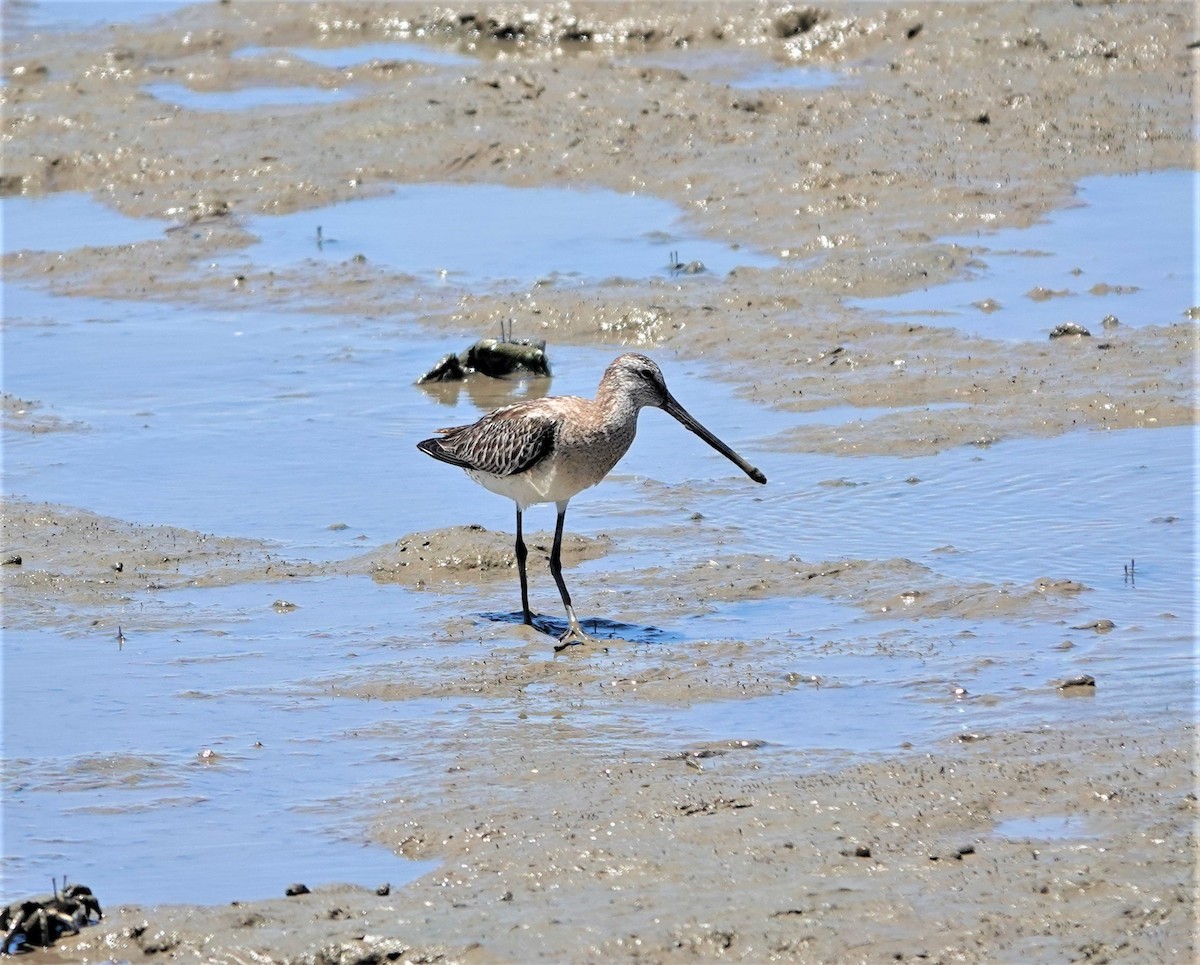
547	450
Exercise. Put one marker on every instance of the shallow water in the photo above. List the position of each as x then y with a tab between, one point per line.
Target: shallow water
1127	249
737	70
24	18
340	58
105	775
246	98
279	425
1044	828
66	220
1002	517
483	234
803	78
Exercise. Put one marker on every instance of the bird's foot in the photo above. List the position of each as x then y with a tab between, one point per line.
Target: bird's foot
573	637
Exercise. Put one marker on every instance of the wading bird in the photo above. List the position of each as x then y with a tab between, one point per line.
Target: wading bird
547	450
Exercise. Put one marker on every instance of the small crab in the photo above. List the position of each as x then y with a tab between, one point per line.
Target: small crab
44	919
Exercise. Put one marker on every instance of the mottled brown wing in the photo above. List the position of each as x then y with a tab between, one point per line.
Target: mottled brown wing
503	443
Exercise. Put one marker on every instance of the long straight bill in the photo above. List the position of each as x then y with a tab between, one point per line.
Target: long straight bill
677	411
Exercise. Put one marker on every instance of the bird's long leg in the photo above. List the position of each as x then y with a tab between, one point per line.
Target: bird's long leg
574	632
522	553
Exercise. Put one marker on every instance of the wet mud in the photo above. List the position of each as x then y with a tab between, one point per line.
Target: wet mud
597	867
62	564
573	813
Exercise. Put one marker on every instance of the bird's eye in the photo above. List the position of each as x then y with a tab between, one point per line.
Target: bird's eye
646	374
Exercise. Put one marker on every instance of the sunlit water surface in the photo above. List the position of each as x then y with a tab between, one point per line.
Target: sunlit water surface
356	55
484	234
248	98
1127	249
22	19
300	429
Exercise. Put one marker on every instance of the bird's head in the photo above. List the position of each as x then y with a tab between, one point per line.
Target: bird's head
639	379
640	382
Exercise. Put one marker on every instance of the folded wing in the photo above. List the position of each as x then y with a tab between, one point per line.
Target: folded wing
503	443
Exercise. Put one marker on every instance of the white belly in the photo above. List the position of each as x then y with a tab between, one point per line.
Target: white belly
565	472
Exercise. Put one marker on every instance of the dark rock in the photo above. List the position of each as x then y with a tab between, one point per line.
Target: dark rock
796	21
1068	328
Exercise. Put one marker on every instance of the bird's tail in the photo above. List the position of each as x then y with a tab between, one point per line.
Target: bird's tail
435	447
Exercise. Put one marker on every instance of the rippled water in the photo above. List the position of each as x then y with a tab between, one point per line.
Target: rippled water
277	426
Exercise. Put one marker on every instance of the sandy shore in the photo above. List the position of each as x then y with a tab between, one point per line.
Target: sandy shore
558	844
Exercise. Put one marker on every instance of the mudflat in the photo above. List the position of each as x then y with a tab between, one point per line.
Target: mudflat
583	835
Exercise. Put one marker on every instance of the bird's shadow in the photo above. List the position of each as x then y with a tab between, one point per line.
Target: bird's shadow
597	627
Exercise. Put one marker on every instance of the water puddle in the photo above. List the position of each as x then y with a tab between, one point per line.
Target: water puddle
22	19
66	220
248	98
798	78
830	722
1127	250
344	58
738	70
481	234
1045	827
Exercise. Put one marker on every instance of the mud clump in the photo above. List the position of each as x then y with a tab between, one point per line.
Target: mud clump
462	554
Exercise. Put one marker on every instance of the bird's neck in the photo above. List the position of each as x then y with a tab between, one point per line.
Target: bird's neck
613	403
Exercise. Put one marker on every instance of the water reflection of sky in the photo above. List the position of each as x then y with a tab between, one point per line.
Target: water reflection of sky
22	18
738	69
277	425
344	57
66	220
486	233
247	98
1133	232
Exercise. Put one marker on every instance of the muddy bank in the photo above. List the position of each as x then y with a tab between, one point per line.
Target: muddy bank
61	563
20	415
949	119
946	389
80	572
68	567
462	555
580	855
